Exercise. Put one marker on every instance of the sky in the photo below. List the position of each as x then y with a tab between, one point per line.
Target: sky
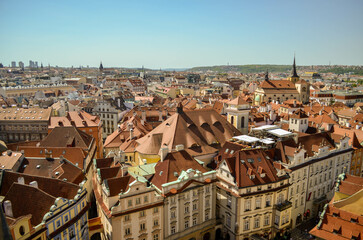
181	33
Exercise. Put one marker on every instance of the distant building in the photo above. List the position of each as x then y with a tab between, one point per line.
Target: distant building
22	124
13	64
281	90
21	65
85	122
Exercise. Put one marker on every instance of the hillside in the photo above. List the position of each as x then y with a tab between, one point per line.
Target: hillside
244	68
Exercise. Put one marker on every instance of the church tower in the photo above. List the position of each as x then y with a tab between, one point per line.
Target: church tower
294	77
101	67
237	114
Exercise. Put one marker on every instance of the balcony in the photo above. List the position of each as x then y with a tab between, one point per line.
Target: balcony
283	206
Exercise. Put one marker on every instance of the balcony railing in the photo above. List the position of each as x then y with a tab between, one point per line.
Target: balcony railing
283	206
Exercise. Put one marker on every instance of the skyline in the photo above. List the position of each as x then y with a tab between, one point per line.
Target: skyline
181	34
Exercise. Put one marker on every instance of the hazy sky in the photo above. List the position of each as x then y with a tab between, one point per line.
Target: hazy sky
181	33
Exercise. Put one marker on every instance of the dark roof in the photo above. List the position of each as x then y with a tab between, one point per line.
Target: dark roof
245	163
67	137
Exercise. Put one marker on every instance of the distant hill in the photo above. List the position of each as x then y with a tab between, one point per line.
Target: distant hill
355	70
244	68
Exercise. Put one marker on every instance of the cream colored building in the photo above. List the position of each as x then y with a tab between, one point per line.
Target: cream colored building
30	90
282	90
128	206
189	196
252	195
24	124
313	162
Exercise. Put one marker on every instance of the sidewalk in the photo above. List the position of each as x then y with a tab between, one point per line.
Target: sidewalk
300	233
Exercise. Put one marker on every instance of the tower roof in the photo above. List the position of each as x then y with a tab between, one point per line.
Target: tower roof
294	73
266	76
101	66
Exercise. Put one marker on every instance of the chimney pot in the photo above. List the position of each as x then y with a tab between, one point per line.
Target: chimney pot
8	208
34	184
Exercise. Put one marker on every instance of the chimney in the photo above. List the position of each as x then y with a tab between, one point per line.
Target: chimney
34	184
73	123
179	147
21	180
131	133
8	208
160	115
163	152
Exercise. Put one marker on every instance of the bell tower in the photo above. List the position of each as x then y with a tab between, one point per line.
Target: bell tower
294	77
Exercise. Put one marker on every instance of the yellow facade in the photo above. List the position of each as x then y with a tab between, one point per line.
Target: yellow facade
22	229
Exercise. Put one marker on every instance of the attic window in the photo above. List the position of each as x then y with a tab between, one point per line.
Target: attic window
161	172
232	151
227	150
250	160
259	159
242	161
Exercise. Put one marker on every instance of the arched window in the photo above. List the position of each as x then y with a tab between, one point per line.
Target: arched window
242	122
232	120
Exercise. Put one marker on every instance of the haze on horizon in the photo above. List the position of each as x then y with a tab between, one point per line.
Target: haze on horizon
181	34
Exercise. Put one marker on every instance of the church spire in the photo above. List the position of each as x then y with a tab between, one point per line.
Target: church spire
294	73
266	76
101	66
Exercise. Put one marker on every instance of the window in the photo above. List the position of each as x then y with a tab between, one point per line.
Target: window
186	209
21	230
257	222
172	214
142	214
172	230
66	218
194	221
207	189
156	237
129	203
258	203
195	206
277	220
58	224
302	201
186	224
146	199
243	122
267	220
247	225
142	226
229	201
207	202
138	201
156	209
296	203
228	220
268	201
156	222
127	218
206	215
248	205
